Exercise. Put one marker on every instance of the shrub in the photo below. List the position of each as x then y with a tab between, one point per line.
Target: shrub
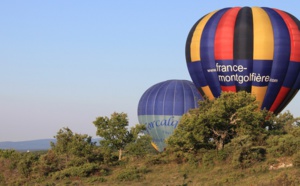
296	160
132	173
80	171
97	179
208	159
26	163
243	152
49	163
9	153
2	179
284	145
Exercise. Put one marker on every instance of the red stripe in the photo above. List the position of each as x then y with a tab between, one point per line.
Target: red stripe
228	88
280	97
225	35
294	35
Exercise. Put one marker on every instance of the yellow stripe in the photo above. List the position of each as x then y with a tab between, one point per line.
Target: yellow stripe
263	35
154	145
208	92
195	43
259	93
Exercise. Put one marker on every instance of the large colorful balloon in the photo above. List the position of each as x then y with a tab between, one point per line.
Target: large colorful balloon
252	49
162	105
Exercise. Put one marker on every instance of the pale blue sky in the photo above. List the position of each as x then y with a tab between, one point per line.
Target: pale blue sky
64	63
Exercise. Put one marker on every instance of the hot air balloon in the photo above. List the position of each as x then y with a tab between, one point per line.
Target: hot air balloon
246	49
162	105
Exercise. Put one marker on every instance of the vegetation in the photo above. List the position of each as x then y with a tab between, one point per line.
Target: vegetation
215	123
227	141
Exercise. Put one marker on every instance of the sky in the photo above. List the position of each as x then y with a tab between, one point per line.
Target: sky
65	63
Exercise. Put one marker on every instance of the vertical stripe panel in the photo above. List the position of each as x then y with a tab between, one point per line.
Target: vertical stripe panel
189	41
225	34
243	46
263	35
197	35
282	48
263	50
207	52
289	88
224	46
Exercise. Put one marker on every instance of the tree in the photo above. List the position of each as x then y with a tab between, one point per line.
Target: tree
217	121
284	123
139	145
73	144
114	132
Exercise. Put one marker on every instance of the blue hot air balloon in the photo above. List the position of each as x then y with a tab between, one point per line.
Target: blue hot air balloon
249	49
162	105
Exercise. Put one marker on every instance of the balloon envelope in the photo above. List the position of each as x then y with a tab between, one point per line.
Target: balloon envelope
162	105
246	49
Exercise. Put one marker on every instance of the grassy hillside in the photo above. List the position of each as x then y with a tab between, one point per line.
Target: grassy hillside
260	158
159	169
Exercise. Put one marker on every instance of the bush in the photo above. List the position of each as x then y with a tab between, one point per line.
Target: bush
208	159
284	145
247	157
132	173
243	152
26	164
97	179
9	153
81	171
296	160
49	163
2	179
157	159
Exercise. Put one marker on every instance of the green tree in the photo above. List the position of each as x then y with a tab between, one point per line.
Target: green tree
72	144
115	135
113	131
217	121
284	123
139	145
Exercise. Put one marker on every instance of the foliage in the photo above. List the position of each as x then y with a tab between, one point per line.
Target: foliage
283	145
75	160
70	150
218	121
296	160
26	163
141	147
113	131
79	145
244	153
132	173
49	163
78	171
284	123
115	135
8	153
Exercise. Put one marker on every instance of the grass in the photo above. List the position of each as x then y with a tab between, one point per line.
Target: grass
184	174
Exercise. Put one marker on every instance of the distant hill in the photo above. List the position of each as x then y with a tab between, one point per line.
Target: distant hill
32	145
40	144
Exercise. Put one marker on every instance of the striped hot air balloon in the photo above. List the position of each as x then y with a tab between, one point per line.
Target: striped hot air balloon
246	49
162	106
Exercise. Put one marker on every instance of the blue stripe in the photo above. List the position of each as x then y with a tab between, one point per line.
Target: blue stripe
291	75
282	48
296	86
261	72
161	95
196	73
207	52
172	97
